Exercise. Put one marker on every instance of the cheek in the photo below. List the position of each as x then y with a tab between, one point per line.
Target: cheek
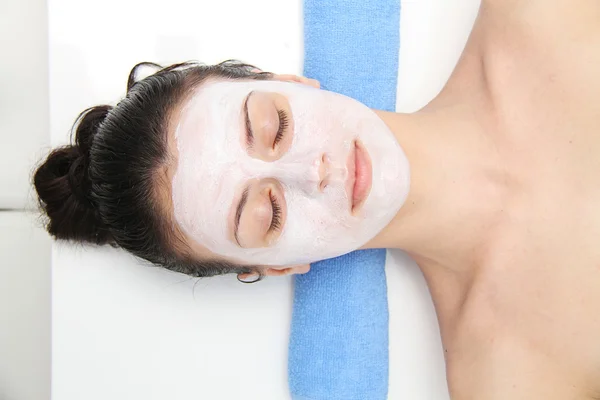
319	128
310	217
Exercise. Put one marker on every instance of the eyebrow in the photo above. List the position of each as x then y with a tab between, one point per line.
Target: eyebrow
249	134
238	214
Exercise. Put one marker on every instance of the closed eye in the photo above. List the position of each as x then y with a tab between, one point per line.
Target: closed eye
249	133
283	124
276	218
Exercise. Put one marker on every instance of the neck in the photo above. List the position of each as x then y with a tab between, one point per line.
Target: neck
457	186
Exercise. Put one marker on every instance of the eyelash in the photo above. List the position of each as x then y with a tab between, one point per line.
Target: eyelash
249	136
283	124
276	219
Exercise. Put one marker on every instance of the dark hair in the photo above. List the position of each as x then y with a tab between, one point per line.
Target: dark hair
102	189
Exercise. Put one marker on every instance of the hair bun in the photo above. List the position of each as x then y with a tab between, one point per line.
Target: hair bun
64	189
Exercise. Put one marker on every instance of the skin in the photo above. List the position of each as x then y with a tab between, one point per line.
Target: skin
251	229
266	172
503	215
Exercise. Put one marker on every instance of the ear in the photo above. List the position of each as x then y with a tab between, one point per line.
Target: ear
297	269
271	271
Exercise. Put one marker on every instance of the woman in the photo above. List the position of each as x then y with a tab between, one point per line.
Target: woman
208	170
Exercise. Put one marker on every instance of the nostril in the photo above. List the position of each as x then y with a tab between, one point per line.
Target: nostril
322	170
323	184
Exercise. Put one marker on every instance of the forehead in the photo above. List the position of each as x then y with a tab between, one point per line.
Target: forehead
168	173
204	127
202	147
191	106
206	103
209	114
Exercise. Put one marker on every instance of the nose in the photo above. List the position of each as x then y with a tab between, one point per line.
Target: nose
311	176
324	167
329	172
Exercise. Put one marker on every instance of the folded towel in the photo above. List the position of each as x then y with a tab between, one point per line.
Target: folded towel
339	335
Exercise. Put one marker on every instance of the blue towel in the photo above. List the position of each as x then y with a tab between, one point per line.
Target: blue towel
339	334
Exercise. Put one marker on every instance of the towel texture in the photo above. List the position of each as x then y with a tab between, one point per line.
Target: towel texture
339	335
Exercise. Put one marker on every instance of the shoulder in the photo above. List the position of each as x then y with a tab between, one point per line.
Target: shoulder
552	13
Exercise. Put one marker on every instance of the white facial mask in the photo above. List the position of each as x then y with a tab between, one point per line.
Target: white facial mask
214	165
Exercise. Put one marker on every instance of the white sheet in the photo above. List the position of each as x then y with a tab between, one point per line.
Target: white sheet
122	330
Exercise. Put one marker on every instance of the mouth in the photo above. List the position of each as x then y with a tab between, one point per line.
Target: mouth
360	176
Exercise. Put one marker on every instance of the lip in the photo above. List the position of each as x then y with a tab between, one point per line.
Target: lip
360	176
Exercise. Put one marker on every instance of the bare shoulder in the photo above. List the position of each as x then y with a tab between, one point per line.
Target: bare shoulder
562	20
527	333
528	326
542	7
544	55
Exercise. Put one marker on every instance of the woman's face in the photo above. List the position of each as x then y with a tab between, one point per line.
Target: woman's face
277	173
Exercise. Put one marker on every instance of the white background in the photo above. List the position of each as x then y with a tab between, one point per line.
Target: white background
123	330
24	247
